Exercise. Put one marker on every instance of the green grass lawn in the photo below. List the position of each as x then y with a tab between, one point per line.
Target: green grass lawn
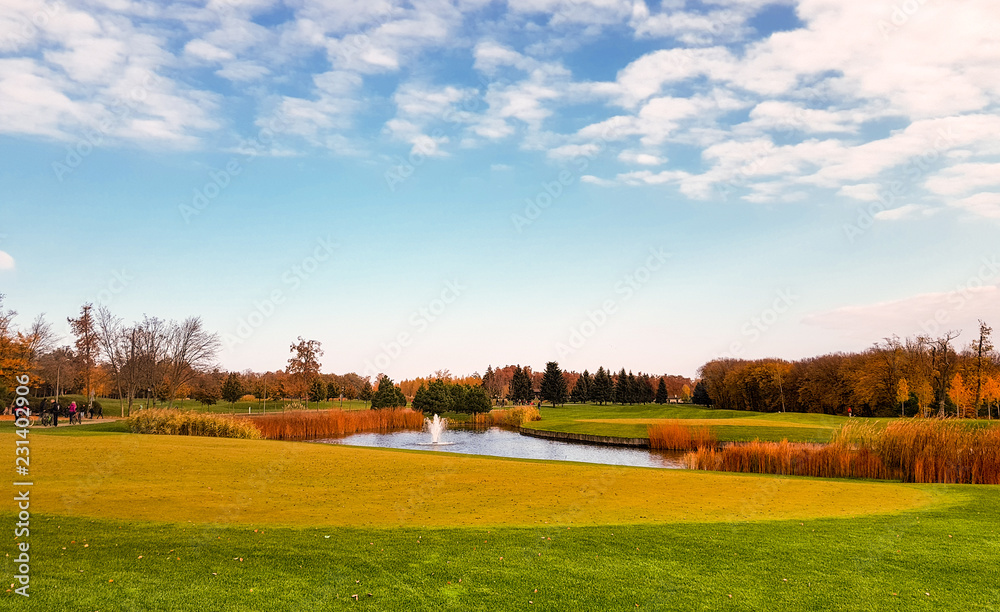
130	522
941	558
631	421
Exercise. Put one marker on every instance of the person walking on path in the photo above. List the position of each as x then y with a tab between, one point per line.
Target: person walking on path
55	413
72	412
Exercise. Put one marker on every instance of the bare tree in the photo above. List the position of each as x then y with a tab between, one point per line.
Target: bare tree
36	340
189	348
152	342
943	361
982	350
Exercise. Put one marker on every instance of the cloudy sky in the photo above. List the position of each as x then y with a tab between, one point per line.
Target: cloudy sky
434	184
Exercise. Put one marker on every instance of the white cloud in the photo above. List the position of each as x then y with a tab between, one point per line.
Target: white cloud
574	150
781	116
866	192
6	261
207	51
907	211
689	27
963	178
576	11
243	71
981	204
593	180
640	158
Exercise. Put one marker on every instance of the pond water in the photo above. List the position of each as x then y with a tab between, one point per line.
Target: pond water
498	442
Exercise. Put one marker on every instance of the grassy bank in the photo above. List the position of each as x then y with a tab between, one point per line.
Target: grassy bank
181	478
127	522
724	425
933	559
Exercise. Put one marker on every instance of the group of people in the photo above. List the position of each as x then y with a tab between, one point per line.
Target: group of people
51	411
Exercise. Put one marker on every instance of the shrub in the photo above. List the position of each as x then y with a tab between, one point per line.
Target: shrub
507	417
183	423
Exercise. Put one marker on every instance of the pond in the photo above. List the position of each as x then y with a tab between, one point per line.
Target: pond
498	442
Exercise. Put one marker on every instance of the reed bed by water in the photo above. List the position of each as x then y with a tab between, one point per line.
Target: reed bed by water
932	450
789	458
926	451
185	423
507	417
674	436
314	424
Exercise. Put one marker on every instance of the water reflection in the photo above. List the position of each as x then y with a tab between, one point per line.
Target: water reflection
502	443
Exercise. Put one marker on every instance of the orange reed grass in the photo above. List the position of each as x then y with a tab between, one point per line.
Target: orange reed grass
314	424
928	451
788	458
674	436
507	417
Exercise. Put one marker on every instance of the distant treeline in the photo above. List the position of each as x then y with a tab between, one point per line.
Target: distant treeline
917	376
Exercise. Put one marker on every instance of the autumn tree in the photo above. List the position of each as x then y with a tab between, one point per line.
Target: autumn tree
303	365
12	354
991	395
88	346
232	389
982	349
365	394
960	396
902	395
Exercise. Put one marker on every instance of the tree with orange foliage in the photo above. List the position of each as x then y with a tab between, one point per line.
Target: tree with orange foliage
991	394
902	394
959	395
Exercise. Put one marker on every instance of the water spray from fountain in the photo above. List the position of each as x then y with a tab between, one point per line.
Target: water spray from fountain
436	427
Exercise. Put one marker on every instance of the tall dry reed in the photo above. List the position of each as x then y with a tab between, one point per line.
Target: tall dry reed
674	436
314	424
507	417
930	451
186	423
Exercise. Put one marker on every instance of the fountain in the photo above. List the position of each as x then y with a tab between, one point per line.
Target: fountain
436	427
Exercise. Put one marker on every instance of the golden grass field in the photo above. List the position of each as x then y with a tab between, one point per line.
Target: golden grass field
213	480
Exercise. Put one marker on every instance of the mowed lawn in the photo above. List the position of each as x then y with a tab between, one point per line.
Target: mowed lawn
211	480
632	421
132	522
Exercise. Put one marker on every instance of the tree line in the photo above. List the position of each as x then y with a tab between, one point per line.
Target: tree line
108	356
923	375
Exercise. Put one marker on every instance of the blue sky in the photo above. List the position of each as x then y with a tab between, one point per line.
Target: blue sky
429	185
